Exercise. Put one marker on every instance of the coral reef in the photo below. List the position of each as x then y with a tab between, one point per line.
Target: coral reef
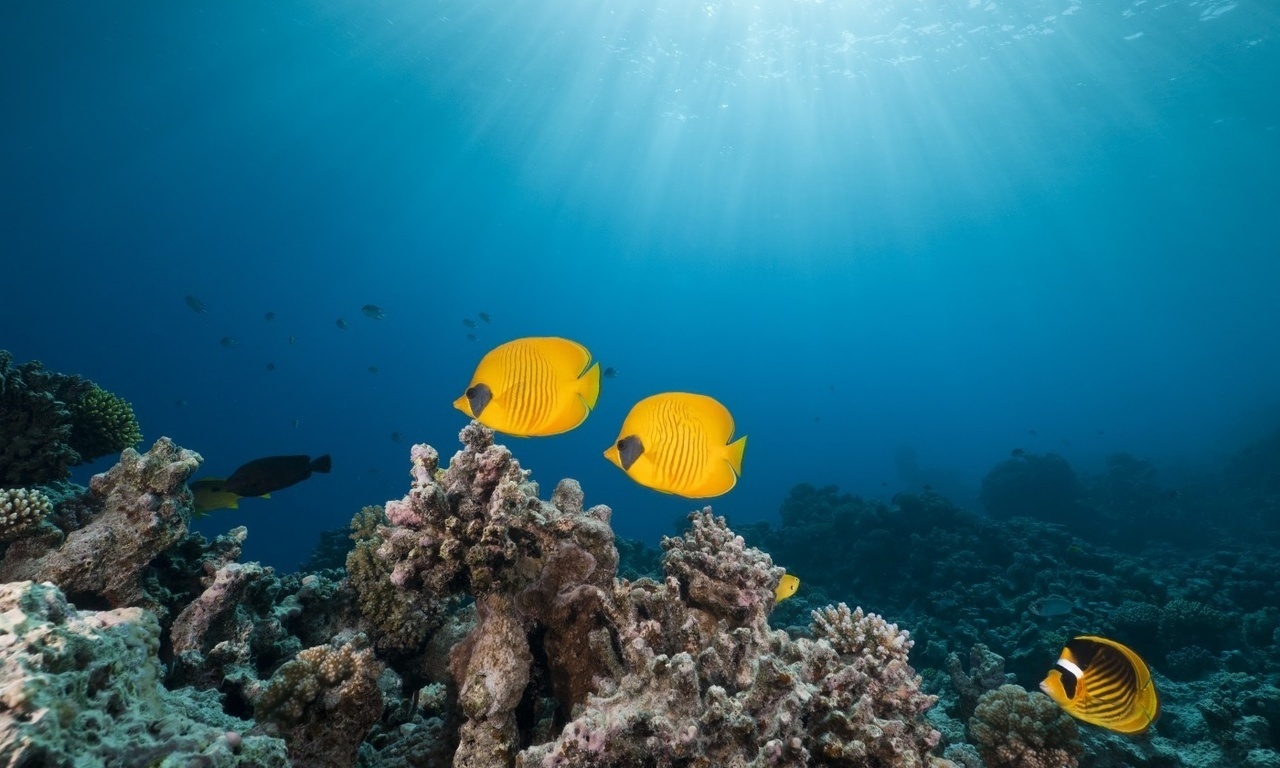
83	688
477	624
144	505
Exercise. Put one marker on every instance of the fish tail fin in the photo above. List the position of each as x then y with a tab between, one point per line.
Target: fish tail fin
589	386
322	464
235	503
735	451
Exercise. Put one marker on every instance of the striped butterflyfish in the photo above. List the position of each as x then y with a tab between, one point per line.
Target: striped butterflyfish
1104	683
533	387
678	442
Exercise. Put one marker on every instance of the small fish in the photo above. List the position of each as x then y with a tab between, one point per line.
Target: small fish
371	471
1017	453
469	322
1104	683
610	372
273	473
1051	606
228	342
396	437
786	587
211	493
269	316
293	339
297	423
484	316
1032	432
472	337
373	311
180	402
373	369
341	323
271	367
677	442
196	305
533	387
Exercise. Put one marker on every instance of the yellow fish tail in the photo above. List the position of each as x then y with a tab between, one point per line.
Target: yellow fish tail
589	386
734	456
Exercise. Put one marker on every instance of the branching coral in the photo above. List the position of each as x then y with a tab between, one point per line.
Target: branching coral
102	424
22	511
1016	729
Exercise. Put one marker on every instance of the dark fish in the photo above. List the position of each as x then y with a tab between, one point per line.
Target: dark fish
293	339
1017	453
273	473
1031	432
609	372
269	316
373	311
373	369
341	323
180	402
396	437
485	317
472	337
271	366
1104	683
228	342
196	305
469	322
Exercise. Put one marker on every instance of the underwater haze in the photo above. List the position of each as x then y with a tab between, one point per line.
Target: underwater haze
897	240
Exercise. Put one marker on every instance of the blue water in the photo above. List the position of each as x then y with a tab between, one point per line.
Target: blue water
893	238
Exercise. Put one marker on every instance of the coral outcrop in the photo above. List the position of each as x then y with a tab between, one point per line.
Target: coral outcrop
567	665
1016	729
83	688
50	422
140	510
324	701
